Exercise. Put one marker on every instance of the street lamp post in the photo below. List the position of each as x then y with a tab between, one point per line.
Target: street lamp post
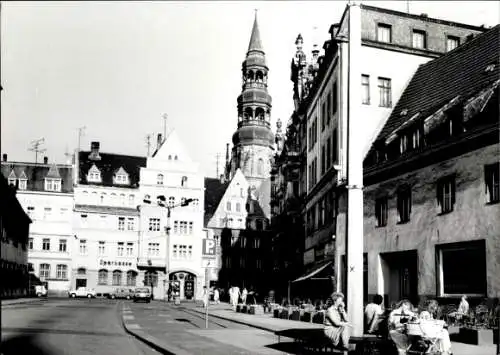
161	202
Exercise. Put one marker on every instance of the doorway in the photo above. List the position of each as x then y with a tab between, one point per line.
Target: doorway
185	284
400	276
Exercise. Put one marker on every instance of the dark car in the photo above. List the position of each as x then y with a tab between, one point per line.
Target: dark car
142	294
120	292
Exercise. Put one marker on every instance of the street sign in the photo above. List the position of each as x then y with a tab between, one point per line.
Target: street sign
209	247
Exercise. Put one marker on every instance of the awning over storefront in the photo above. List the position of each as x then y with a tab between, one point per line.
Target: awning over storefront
313	273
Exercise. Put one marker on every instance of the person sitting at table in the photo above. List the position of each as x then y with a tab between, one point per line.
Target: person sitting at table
373	313
336	325
462	311
443	342
397	320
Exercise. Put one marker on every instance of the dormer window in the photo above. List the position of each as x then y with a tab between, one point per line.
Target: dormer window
23	181
94	174
121	177
52	184
12	178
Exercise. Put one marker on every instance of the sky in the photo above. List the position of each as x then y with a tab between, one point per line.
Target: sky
118	67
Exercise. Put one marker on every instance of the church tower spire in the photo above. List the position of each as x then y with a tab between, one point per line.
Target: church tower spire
253	141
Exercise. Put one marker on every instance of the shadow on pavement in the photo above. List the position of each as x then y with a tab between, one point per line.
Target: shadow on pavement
22	344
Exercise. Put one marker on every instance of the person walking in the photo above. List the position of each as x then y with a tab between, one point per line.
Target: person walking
205	297
244	294
216	296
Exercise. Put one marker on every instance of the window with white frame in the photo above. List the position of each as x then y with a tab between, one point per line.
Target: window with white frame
159	179
44	271
61	272
419	39
83	246
171	201
130	249
228	206
102	277
452	42
365	89
23	184
153	249
384	33
174	251
120	248
121	223
52	184
446	193
46	244
457	277
102	247
131	199
121	179
176	227
31	211
130	224
190	228
94	175
117	278
190	252
154	224
63	247
384	88
122	199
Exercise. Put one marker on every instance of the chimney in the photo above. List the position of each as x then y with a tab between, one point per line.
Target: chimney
4	157
45	160
94	151
158	141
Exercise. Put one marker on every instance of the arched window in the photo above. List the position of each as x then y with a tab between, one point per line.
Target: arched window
131	277
151	278
103	277
122	199
260	167
259	77
248	113
159	179
259	113
169	157
175	158
250	75
117	278
112	198
81	271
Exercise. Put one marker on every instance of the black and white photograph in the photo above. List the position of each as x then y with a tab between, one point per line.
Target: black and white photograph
250	177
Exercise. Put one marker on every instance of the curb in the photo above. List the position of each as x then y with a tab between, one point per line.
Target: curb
21	301
160	346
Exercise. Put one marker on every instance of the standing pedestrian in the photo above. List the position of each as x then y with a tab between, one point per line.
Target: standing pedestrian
216	296
244	294
205	297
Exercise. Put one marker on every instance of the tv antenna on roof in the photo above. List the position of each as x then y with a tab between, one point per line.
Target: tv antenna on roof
35	147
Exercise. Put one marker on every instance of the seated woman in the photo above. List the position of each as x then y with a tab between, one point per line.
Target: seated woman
443	343
336	326
463	310
397	319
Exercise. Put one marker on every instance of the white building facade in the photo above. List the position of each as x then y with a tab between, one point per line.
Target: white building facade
170	244
106	221
45	191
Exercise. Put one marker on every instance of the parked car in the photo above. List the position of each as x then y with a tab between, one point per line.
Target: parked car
121	292
82	292
142	294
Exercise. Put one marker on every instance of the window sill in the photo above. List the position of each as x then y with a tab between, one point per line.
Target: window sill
445	213
492	203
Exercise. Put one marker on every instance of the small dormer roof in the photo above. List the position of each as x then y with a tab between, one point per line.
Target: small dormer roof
12	175
53	172
94	169
121	171
23	176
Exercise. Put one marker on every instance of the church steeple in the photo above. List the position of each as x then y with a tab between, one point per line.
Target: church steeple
255	43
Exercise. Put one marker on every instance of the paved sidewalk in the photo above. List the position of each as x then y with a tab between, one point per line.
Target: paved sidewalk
270	324
14	301
179	330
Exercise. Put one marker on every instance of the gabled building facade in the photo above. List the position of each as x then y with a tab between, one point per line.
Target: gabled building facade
239	226
45	191
14	234
432	183
323	85
170	243
106	220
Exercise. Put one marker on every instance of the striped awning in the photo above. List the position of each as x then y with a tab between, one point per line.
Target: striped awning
312	273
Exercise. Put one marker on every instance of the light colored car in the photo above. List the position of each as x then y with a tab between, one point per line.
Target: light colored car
39	291
82	292
142	294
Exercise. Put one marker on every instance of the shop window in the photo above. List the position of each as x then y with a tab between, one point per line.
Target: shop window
458	277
